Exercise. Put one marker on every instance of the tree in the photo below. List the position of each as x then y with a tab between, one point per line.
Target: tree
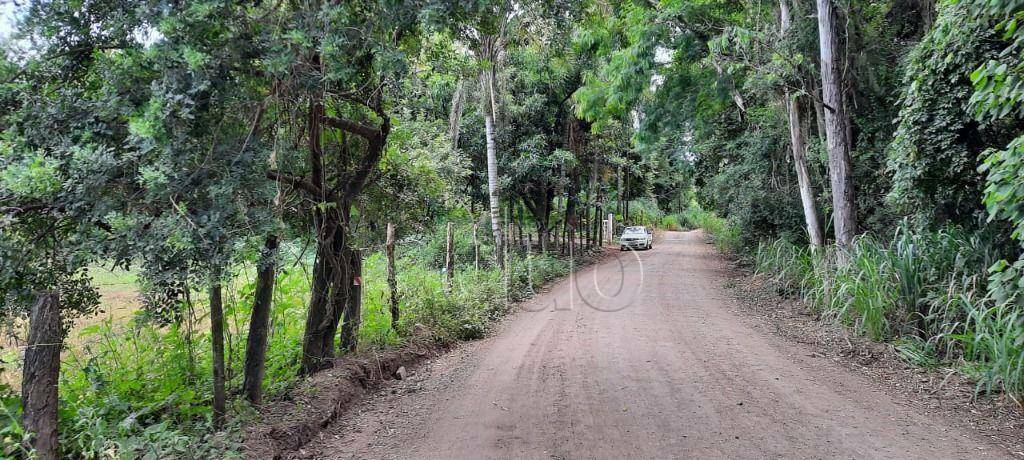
487	38
256	345
933	157
798	145
844	213
57	160
999	97
337	74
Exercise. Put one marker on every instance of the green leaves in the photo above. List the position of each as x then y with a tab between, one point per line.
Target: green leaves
32	178
933	155
999	94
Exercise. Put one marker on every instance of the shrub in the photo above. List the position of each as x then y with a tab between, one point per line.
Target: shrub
644	212
12	435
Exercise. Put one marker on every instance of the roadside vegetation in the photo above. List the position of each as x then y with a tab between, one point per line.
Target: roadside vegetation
928	293
138	389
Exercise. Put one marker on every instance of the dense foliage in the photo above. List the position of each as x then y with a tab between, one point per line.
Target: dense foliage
178	142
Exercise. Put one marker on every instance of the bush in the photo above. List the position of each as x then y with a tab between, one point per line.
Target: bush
644	212
12	435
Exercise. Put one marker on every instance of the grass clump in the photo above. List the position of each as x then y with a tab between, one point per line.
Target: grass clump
927	292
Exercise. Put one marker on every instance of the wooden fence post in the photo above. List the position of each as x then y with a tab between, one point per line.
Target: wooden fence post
217	341
40	375
511	236
389	250
476	246
449	259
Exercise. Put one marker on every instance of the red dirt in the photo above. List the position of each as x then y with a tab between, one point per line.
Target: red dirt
680	372
289	424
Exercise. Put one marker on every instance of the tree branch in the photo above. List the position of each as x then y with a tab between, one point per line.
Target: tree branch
360	176
296	182
373	103
15	210
359	129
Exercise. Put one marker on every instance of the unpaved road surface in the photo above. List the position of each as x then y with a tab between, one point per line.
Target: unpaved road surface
656	363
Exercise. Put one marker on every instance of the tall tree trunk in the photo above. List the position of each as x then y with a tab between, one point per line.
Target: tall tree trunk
353	301
519	225
327	222
509	220
626	201
389	250
217	340
455	114
618	190
840	168
40	374
341	289
819	116
799	147
256	345
592	200
319	295
318	331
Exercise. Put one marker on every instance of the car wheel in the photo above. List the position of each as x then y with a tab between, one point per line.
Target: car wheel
622	248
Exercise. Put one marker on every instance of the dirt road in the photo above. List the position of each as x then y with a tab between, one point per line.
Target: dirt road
668	368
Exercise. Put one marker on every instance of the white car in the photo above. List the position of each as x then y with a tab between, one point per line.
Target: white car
636	238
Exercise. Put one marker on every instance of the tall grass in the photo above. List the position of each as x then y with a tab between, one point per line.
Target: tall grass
671	222
726	237
925	291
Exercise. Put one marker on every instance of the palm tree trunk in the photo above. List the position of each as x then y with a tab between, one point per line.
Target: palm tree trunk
492	186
